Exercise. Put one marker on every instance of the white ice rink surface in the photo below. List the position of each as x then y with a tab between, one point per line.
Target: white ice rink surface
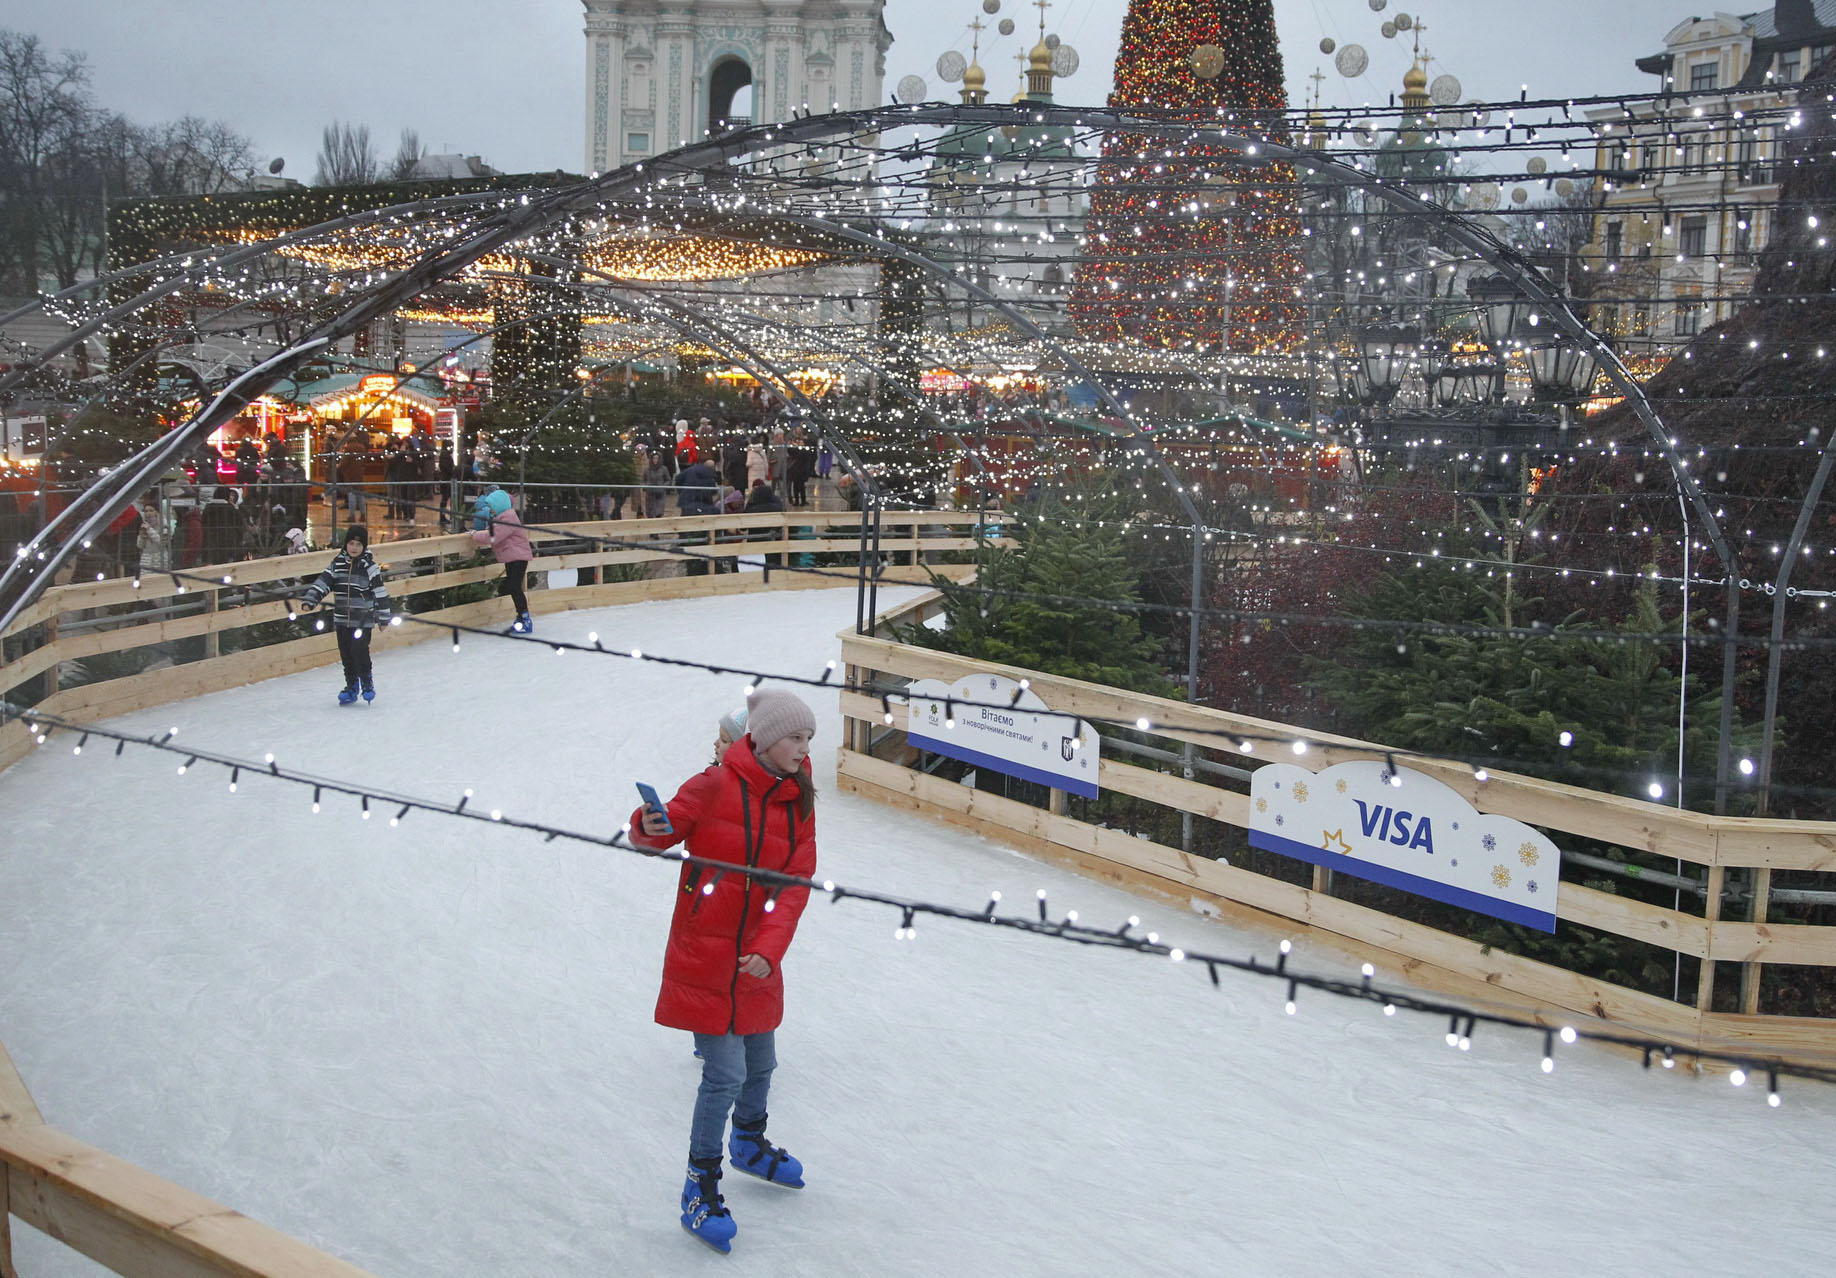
429	1050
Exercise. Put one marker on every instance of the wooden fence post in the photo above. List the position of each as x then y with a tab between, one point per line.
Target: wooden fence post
1711	912
1750	972
211	646
55	673
6	1228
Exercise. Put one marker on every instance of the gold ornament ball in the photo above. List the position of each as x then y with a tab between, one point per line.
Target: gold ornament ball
1206	61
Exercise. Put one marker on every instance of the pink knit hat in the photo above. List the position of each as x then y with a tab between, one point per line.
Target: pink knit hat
772	715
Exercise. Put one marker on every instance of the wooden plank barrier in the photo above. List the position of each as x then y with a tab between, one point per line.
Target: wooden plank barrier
1726	848
123	1216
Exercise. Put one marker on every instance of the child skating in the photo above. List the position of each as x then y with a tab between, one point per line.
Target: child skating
722	977
360	603
496	524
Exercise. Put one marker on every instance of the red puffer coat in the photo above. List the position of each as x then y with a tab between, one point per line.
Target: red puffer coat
739	813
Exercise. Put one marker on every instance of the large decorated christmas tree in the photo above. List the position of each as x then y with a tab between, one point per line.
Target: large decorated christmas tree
1189	249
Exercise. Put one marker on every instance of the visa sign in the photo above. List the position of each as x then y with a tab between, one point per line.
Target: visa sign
1410	831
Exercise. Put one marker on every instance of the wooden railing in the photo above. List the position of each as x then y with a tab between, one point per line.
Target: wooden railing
123	1216
79	621
874	761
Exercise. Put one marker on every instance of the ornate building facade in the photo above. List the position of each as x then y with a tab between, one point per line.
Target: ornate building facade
663	72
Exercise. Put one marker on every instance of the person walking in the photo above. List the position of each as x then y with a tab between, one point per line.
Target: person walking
656	486
723	977
758	462
496	524
360	603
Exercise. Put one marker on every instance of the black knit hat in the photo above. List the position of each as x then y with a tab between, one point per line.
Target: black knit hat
356	532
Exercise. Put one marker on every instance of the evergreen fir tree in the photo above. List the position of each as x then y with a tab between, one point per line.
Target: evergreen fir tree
1187	249
1077	560
1447	693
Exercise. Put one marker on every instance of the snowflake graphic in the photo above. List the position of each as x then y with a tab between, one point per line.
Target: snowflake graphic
1339	785
1385	776
1456	825
1455	863
1527	853
1281	820
1300	791
1501	877
1489	843
1262	805
1531	885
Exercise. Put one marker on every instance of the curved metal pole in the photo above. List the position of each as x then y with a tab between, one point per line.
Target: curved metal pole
181	260
1780	595
1257	152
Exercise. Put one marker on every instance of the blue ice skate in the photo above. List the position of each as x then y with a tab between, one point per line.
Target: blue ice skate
756	1156
524	624
369	690
347	694
704	1213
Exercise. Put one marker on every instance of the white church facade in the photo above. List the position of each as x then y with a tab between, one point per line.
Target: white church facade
660	73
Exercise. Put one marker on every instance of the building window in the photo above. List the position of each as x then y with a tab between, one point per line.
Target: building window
1789	71
1703	75
637	141
1694	241
1615	241
1689	313
1750	164
1818	54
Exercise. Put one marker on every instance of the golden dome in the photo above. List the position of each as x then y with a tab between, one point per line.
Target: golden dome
1415	80
974	77
1040	59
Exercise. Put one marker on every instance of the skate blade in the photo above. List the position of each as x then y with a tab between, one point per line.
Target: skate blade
781	1184
724	1248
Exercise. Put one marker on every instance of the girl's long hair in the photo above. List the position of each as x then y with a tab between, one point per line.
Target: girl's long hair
806	791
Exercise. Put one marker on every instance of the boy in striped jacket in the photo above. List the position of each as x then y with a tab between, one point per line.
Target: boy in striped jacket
360	603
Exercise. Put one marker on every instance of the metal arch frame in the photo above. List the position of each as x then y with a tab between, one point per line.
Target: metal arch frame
24	579
181	262
627	293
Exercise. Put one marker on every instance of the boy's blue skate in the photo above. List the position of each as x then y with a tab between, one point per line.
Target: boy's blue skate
524	624
756	1156
347	694
369	690
704	1213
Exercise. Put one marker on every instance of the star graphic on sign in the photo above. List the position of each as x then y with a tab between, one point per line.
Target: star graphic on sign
1330	837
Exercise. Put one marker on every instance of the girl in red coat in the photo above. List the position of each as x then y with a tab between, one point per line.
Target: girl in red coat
721	973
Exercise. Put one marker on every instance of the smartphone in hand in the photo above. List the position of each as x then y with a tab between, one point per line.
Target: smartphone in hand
649	794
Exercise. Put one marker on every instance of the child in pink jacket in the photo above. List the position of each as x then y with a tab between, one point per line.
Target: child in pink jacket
496	524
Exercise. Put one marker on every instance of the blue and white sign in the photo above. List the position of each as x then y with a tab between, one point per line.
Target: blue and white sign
1409	831
997	730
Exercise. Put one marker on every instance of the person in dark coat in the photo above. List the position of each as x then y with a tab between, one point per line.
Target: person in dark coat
723	974
698	493
224	530
248	462
698	490
360	603
801	466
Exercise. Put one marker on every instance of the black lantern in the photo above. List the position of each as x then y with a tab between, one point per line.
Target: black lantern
1501	309
1386	350
1561	372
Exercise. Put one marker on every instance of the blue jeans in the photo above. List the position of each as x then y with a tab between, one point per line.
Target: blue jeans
735	1078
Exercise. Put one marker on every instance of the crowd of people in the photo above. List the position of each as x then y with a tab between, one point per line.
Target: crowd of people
728	467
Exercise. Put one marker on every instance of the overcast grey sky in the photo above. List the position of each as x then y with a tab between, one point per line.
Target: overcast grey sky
505	78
